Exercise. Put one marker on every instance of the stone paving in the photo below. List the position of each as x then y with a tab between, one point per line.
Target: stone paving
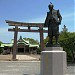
19	67
26	68
22	67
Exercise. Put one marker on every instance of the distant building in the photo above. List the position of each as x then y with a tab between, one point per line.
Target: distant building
23	46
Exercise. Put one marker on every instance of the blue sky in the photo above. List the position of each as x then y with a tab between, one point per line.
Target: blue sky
33	11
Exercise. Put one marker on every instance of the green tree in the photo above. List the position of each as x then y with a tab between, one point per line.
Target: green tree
68	46
67	41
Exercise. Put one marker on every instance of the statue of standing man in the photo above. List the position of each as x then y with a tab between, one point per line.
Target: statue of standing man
53	20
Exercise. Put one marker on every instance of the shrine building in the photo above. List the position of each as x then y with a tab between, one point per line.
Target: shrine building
23	47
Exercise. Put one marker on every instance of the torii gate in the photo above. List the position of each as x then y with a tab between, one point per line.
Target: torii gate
21	24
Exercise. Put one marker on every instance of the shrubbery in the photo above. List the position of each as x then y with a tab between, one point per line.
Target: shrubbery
1	50
68	45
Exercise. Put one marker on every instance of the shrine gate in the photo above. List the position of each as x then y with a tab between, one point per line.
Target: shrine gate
16	29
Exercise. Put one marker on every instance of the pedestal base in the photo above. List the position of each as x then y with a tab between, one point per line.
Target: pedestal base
53	62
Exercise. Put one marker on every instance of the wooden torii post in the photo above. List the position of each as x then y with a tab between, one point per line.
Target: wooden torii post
21	24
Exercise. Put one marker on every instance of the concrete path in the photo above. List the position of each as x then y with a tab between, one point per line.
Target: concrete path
19	67
26	68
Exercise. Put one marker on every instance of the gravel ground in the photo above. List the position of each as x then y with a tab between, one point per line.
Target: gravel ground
20	57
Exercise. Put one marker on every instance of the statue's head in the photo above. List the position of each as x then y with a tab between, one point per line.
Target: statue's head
50	6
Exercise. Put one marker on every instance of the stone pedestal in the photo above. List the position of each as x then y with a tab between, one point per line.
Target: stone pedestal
53	61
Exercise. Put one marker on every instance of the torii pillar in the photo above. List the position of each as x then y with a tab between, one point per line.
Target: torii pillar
15	43
41	38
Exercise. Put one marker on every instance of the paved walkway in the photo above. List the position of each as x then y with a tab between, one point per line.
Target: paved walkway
20	57
26	68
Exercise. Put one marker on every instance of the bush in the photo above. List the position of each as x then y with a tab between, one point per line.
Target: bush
1	50
38	51
69	47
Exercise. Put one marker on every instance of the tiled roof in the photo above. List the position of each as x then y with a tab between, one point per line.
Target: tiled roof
20	41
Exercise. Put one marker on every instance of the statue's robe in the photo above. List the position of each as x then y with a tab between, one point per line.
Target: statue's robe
52	22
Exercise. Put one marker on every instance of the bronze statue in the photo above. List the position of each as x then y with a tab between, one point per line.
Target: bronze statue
53	20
